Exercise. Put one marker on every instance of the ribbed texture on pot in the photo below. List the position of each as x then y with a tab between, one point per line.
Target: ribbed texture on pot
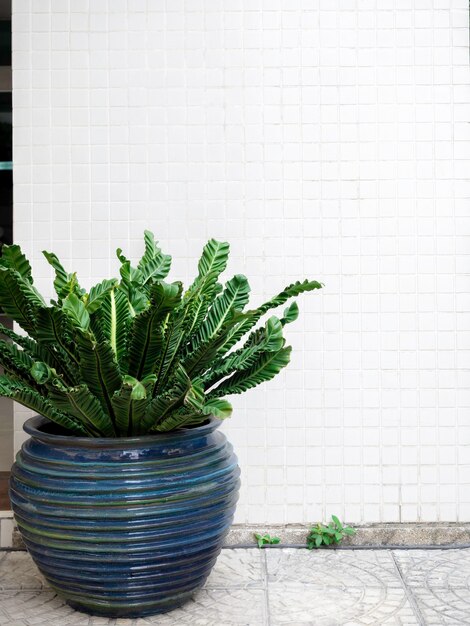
125	527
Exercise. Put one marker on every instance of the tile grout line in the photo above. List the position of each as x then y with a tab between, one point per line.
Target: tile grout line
409	593
264	562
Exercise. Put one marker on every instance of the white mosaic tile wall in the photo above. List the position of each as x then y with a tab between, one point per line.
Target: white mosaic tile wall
323	138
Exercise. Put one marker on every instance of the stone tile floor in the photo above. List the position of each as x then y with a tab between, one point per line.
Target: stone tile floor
274	587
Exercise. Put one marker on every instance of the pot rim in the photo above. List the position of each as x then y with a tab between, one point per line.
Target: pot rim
33	427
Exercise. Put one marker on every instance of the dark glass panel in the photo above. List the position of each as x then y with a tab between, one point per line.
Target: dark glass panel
5	42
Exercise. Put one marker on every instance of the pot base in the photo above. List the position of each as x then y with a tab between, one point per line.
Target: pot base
125	527
128	612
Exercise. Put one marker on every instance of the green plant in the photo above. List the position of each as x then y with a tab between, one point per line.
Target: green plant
328	535
266	540
137	355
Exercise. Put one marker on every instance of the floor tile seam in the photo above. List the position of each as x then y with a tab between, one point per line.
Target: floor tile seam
258	585
28	589
409	593
264	573
308	585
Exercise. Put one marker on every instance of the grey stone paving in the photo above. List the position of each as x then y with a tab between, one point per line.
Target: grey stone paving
274	587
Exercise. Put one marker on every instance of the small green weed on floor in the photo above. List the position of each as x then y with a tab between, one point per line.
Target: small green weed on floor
328	535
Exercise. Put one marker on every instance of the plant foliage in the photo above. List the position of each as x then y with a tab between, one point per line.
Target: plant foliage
266	540
328	534
137	355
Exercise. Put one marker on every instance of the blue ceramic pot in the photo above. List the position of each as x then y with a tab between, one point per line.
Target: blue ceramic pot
124	527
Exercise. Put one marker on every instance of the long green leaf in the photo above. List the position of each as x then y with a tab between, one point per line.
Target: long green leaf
172	399
98	294
99	370
64	283
291	313
113	318
212	263
61	276
22	340
82	405
179	418
128	273
235	296
266	339
129	411
29	397
16	362
132	285
187	411
175	337
53	355
147	329
13	258
43	373
266	367
19	300
186	318
222	409
201	359
77	402
289	292
55	330
255	314
153	265
77	312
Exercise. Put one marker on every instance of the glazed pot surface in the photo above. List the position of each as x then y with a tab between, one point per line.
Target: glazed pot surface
124	527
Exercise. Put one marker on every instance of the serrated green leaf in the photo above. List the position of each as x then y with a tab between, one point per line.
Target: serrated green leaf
82	405
41	372
201	292
13	258
129	404
154	265
64	283
32	399
234	297
98	294
183	407
200	359
61	276
172	399
254	315
111	322
99	370
267	339
147	329
265	367
16	362
212	263
291	313
222	409
19	300
54	332
77	312
138	391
